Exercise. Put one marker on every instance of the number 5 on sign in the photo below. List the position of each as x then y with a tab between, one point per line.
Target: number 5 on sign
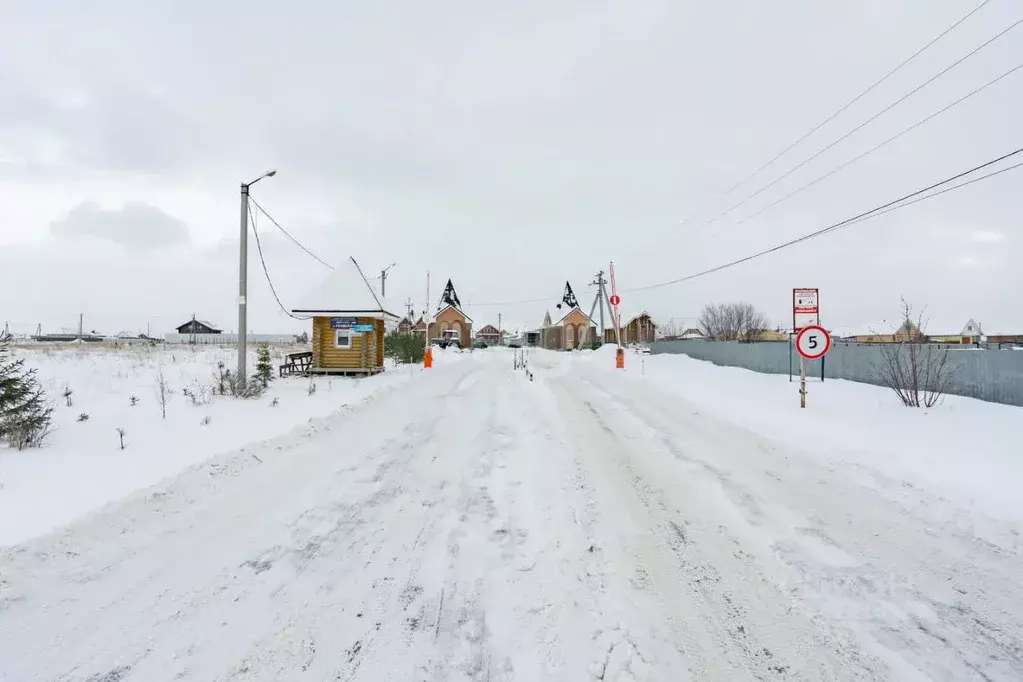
812	342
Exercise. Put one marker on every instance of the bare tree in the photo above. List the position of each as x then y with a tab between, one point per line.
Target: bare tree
672	329
731	321
918	372
163	392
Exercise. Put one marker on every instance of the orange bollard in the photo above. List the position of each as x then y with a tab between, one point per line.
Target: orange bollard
428	358
620	359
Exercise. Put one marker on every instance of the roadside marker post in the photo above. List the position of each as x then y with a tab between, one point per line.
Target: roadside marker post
812	342
613	302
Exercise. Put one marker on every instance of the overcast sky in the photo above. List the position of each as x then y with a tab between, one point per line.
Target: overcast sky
508	146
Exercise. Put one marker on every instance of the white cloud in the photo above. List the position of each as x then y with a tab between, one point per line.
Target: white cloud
513	147
986	236
136	226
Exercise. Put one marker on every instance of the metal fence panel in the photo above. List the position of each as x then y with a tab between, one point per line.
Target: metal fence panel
991	374
222	339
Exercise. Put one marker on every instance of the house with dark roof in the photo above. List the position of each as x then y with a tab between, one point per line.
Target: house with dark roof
489	334
195	326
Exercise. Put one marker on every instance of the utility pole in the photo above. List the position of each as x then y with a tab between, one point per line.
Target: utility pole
599	300
383	279
80	316
243	270
500	336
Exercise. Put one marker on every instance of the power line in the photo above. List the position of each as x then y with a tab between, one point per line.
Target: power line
864	124
866	215
858	97
875	147
259	248
288	234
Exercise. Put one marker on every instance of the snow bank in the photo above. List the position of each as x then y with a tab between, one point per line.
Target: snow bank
82	466
966	450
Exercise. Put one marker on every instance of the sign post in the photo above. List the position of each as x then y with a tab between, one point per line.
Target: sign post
802	382
812	342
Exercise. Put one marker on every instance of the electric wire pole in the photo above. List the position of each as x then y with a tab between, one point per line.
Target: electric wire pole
600	300
383	279
243	270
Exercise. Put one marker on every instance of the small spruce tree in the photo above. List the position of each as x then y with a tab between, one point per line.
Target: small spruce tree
25	414
264	367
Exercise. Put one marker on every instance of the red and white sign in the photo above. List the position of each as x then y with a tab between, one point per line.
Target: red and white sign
813	342
805	308
615	299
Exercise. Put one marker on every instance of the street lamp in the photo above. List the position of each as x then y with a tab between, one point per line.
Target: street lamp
383	279
243	269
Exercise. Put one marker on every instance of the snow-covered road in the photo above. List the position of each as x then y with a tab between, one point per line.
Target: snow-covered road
472	524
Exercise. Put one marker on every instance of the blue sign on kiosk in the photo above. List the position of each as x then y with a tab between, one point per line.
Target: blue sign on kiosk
362	328
343	322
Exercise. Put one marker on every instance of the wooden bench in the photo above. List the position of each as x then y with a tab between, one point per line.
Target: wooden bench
296	363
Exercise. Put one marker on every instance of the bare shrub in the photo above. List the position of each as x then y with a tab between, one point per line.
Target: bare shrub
163	392
731	321
133	401
67	395
918	372
206	420
275	402
120	436
312	388
223	378
198	394
83	417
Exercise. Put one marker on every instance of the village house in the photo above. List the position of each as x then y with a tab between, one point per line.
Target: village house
450	324
574	330
489	334
195	326
640	329
348	319
405	325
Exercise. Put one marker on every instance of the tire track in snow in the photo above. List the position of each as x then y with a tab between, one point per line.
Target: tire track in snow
207	608
871	568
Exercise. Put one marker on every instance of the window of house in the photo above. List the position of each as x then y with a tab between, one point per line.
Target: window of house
342	338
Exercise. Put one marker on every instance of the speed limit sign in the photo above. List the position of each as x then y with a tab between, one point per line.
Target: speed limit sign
813	342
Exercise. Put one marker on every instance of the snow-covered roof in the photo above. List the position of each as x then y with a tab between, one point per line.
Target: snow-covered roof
972	328
570	311
345	292
637	317
459	310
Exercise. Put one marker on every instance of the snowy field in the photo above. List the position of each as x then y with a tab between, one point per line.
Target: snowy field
83	466
675	521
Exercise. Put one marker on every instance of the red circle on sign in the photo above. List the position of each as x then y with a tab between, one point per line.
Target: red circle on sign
813	352
616	299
